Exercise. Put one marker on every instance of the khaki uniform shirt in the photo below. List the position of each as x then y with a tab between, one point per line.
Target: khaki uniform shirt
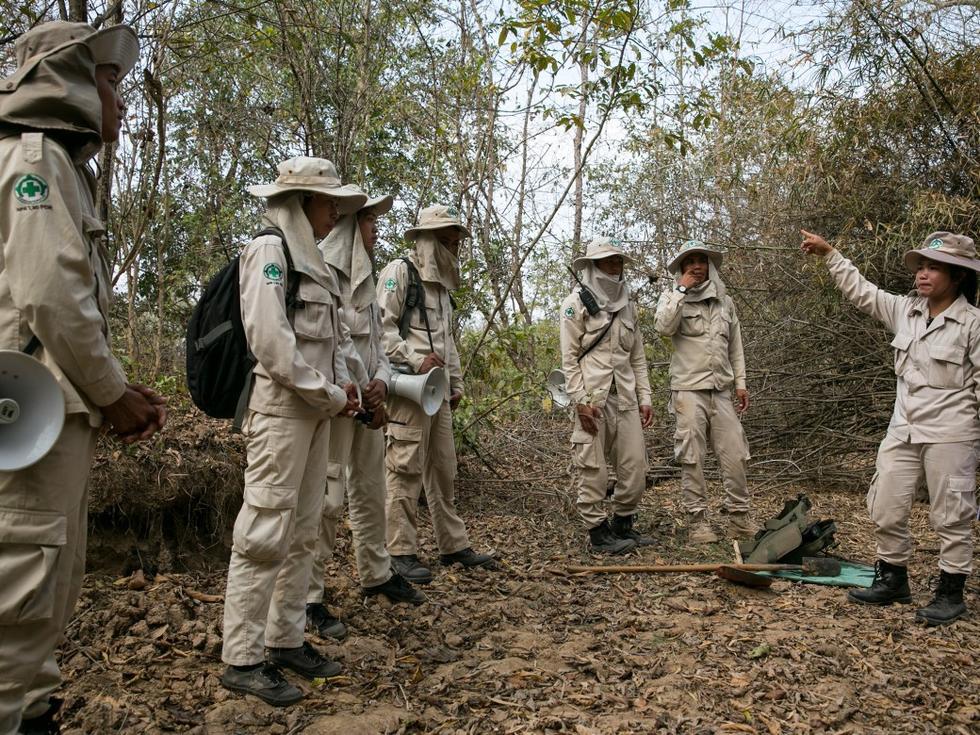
301	366
367	361
411	351
618	358
937	394
54	282
707	340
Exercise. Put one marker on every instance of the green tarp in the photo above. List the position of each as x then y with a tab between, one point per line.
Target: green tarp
852	574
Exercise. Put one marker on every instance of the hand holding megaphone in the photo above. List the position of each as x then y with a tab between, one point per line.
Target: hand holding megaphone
432	360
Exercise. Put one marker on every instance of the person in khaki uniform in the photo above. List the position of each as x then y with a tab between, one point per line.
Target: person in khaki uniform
606	378
56	110
298	345
707	362
356	448
420	451
934	432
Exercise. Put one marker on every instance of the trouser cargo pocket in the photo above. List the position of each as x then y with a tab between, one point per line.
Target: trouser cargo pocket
685	449
31	543
404	453
264	526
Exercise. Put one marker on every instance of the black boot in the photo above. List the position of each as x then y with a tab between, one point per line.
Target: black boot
320	621
468	558
397	589
409	566
891	585
947	605
43	724
304	660
622	527
604	541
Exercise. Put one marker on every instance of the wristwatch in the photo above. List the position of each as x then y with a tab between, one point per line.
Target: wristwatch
682	289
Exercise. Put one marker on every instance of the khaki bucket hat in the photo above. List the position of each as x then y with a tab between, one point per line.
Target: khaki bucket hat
689	248
435	218
945	247
599	248
117	45
379	205
317	175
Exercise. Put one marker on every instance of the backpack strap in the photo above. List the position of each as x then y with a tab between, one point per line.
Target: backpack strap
31	347
598	339
414	299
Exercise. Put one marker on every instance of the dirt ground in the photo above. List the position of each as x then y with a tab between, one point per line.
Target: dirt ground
530	649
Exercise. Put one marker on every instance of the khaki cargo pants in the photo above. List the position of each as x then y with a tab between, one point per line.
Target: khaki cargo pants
357	456
421	454
619	442
43	527
275	536
950	472
698	414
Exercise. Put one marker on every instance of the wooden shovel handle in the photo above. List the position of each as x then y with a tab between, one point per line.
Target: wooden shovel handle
679	568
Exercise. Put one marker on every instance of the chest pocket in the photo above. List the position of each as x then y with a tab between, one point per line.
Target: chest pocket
946	365
692	321
901	345
358	320
627	333
315	320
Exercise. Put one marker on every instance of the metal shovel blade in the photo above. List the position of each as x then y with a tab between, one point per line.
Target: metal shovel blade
740	576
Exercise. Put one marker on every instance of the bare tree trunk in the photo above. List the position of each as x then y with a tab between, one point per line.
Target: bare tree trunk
132	336
78	11
583	67
515	249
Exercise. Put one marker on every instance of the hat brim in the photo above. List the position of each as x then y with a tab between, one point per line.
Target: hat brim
117	45
713	255
412	233
349	199
580	262
912	258
379	205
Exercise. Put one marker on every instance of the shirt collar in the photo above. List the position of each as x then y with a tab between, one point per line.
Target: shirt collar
955	311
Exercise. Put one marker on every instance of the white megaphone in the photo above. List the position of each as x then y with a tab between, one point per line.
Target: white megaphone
32	410
429	390
556	387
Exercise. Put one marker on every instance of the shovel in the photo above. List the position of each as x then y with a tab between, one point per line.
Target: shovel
816	566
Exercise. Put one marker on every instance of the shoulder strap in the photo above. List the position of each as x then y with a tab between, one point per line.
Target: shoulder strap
31	347
414	297
599	338
293	302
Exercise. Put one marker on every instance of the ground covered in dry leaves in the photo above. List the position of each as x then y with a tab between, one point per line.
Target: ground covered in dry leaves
530	649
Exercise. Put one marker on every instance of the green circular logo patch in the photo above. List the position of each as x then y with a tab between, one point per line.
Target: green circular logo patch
390	284
569	312
31	189
272	271
936	244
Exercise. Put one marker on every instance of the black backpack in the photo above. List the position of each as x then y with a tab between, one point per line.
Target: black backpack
219	362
